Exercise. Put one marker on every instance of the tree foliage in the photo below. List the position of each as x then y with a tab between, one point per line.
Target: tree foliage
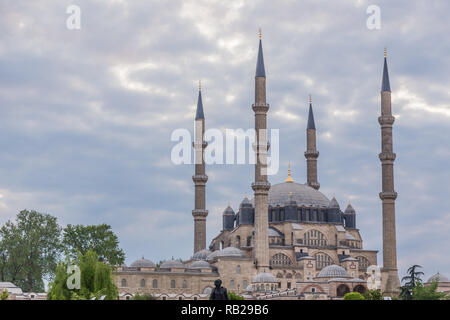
412	279
4	295
234	296
29	250
78	239
96	280
420	292
144	296
373	295
353	296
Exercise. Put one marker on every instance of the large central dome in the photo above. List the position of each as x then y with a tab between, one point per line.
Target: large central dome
304	195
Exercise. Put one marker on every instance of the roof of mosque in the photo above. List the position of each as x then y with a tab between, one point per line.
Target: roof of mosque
264	277
172	264
142	263
283	193
333	271
201	255
200	264
438	277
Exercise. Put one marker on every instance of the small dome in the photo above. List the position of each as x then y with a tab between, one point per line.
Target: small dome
171	264
142	263
333	271
438	278
249	288
349	209
230	252
333	203
201	255
264	277
200	264
212	255
246	203
228	211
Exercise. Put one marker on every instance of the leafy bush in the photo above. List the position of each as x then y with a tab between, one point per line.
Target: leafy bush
353	296
373	295
420	292
4	295
144	296
234	296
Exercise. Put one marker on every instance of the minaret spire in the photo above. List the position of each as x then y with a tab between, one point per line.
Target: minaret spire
390	279
311	153
261	186
199	213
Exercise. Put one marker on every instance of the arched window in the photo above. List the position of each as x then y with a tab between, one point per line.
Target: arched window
244	284
124	282
155	283
238	269
342	290
249	241
289	276
298	276
231	284
280	259
238	241
315	238
322	260
143	283
172	283
363	263
279	275
184	284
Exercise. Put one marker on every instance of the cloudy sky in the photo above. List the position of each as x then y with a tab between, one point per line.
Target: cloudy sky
86	115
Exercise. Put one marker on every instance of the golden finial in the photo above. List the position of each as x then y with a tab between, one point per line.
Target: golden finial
260	34
310	99
385	52
289	178
199	85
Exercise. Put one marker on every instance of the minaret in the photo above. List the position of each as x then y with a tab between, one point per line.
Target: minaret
261	186
390	280
311	153
200	177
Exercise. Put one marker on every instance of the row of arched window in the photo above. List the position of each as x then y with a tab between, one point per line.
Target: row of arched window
289	276
314	238
143	283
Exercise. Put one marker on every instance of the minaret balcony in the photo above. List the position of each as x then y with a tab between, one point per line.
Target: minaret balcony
260	107
387	156
199	213
311	154
388	195
200	178
386	120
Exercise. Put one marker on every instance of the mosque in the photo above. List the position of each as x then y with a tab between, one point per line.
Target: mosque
290	241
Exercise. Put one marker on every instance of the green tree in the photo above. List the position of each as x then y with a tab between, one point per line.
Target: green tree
78	239
4	295
373	295
353	296
29	249
413	276
420	292
96	280
144	296
234	296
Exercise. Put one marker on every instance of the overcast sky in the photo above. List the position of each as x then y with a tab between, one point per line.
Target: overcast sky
86	115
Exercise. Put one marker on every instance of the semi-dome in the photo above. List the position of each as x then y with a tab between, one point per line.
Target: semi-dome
201	255
333	271
438	278
171	264
230	252
142	263
264	277
200	264
283	193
